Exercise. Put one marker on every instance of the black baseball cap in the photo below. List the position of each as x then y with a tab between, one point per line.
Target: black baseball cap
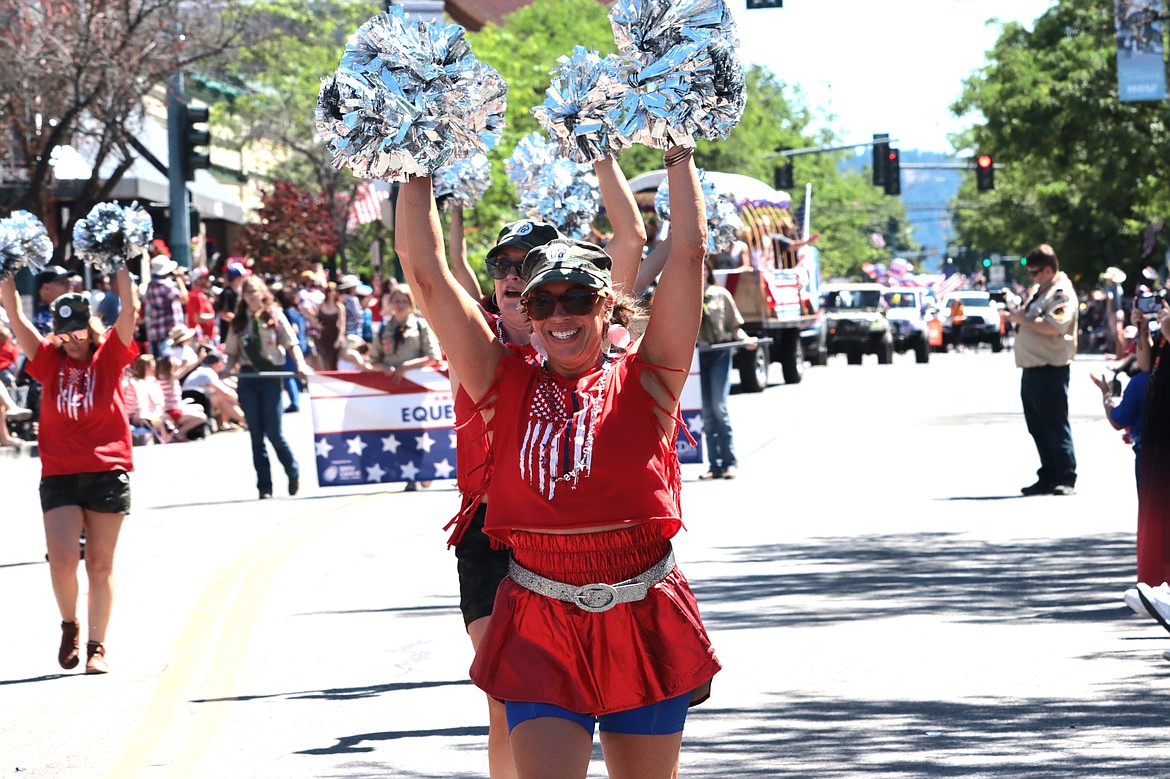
566	259
526	235
52	273
70	313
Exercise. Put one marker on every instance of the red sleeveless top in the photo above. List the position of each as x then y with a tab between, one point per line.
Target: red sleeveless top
578	453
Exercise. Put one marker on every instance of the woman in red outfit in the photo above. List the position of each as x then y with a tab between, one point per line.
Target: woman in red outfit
595	623
85	450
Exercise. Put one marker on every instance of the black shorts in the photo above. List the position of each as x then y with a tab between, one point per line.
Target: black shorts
107	492
481	569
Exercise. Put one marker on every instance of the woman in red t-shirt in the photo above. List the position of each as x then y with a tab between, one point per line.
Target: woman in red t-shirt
85	455
595	624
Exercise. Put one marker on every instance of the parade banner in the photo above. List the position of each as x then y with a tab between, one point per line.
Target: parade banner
368	429
691	410
1141	67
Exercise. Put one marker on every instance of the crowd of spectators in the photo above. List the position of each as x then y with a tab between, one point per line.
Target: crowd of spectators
183	386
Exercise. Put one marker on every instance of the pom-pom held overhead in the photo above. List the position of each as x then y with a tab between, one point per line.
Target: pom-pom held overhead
585	88
464	181
723	219
676	77
408	98
690	82
554	189
110	234
24	243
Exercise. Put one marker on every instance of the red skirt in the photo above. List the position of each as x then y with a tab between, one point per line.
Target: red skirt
542	650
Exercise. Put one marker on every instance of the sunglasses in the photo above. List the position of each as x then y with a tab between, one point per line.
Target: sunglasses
76	335
577	302
499	269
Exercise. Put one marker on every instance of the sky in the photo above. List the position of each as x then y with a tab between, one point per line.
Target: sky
892	66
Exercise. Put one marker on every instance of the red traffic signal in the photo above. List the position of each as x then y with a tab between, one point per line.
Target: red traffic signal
984	173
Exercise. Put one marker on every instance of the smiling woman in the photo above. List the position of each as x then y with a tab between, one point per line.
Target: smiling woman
595	623
85	452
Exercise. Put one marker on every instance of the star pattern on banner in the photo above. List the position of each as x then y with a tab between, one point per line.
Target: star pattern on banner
355	445
409	471
695	425
443	469
324	448
453	441
390	444
424	442
374	473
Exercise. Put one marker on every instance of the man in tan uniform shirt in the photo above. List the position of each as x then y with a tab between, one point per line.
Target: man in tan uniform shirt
1046	343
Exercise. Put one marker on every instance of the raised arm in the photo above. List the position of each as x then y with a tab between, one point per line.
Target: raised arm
629	231
454	315
457	242
678	302
26	335
653	264
128	316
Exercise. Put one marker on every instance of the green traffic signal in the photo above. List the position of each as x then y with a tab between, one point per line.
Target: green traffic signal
1023	260
986	262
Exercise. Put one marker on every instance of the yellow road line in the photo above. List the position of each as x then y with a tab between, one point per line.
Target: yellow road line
206	660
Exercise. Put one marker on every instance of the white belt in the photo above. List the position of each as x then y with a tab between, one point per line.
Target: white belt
595	597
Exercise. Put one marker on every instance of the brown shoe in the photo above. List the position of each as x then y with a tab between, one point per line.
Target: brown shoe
67	655
95	658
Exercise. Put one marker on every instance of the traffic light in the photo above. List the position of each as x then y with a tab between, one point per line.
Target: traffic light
754	5
881	151
782	175
192	138
984	173
893	174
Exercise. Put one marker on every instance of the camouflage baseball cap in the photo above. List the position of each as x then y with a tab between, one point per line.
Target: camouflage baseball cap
566	259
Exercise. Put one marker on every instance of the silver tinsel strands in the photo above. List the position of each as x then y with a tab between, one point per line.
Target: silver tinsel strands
24	243
553	189
723	219
689	82
408	98
464	181
583	91
109	235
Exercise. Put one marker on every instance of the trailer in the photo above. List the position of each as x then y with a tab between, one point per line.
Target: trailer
778	291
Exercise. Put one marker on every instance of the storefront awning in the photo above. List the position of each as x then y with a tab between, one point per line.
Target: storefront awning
145	183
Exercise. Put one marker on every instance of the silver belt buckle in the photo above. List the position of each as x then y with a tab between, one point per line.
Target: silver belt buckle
595	597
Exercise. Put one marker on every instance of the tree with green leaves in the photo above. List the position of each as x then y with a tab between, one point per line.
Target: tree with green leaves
281	74
1076	167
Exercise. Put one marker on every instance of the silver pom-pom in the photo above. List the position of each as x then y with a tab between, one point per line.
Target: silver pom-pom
109	235
553	189
689	82
408	98
24	243
464	181
723	221
585	89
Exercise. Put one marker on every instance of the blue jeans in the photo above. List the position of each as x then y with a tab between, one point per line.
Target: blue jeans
260	400
715	380
1044	392
292	385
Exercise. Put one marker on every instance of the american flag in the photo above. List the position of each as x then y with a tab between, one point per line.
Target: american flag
1150	237
949	284
367	204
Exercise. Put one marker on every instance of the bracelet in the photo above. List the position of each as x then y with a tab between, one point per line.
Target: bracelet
670	159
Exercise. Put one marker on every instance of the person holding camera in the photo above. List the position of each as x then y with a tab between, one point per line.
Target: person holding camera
1046	344
1153	528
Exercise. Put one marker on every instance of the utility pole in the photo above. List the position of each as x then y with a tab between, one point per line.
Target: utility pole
180	208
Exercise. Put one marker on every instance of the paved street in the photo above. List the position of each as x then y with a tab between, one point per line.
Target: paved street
883	602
